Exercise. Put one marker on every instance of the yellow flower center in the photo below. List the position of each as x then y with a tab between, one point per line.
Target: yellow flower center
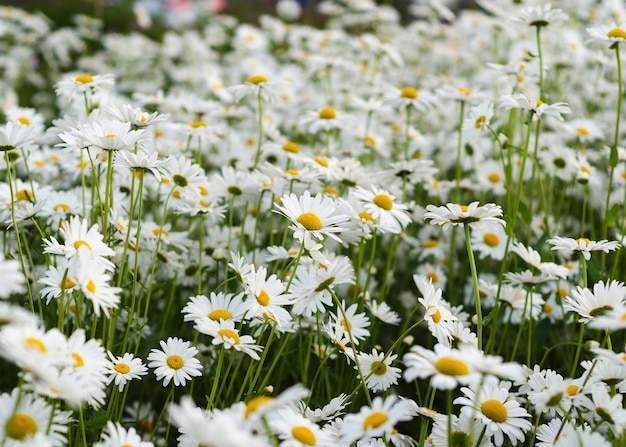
35	343
408	92
81	243
451	367
160	232
433	277
370	140
227	333
220	314
263	298
122	368
583	241
346	325
24	120
330	190
109	135
21	426
78	360
321	161
84	79
254	403
62	207
431	243
203	190
494	177
547	309
480	121
310	221
367	216
304	435
494	410
616	33
383	201
572	390
375	420
378	368
175	361
465	91
327	113
292	147
436	316
196	124
582	131
91	286
257	79
24	194
464	208
491	239
69	283
293	172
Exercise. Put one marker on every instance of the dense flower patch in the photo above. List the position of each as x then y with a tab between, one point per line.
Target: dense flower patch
370	234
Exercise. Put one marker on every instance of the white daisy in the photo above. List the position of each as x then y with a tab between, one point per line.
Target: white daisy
175	361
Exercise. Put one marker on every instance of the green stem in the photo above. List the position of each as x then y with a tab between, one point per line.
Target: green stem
472	262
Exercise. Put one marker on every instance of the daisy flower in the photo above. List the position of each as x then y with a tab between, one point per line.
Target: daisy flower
95	285
176	360
473	215
326	119
383	312
375	421
355	323
535	106
27	420
606	408
316	217
464	431
612	34
498	411
266	296
226	334
13	136
589	305
330	411
137	117
216	307
379	374
583	245
11	277
259	85
116	435
35	350
561	433
489	241
79	236
382	208
311	284
121	370
84	82
408	97
475	125
296	430
540	16
447	367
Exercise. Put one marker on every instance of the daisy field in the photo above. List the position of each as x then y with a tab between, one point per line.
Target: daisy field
342	224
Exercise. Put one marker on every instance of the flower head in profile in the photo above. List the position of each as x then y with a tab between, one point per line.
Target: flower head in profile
116	435
612	34
535	106
583	245
473	215
592	304
259	85
540	16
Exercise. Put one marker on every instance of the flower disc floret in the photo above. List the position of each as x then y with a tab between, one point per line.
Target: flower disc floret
310	221
21	426
304	435
494	410
408	92
257	79
327	113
